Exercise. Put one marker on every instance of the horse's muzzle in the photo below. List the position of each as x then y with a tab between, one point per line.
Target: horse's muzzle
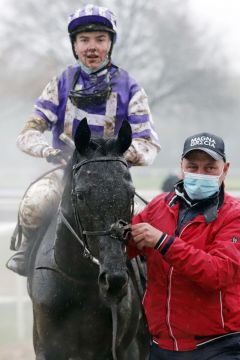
113	286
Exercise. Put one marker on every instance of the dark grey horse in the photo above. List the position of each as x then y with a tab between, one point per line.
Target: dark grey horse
86	304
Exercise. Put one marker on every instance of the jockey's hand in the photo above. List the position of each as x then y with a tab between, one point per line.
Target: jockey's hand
144	234
55	156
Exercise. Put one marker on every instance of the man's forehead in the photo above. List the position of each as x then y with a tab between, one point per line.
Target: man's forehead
199	155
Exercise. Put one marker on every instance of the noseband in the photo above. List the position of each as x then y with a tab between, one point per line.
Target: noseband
118	230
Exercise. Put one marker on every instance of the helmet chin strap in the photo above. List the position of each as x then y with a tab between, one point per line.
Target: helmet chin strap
90	71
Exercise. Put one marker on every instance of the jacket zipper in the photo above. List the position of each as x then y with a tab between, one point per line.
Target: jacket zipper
169	302
221	306
220	292
190	223
168	309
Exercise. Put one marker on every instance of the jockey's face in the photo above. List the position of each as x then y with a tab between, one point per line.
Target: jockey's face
92	47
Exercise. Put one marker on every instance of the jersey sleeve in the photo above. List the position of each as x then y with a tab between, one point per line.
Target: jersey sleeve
145	144
32	140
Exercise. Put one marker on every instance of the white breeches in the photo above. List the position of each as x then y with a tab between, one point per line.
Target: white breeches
41	201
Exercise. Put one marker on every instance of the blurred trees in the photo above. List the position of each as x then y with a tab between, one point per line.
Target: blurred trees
156	43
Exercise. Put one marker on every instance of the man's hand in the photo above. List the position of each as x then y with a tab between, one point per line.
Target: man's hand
144	234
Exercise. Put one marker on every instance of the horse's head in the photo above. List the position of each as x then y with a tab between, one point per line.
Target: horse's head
103	199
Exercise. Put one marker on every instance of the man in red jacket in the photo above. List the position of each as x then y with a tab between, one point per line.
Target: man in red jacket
191	240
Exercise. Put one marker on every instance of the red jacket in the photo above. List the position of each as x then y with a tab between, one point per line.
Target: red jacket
193	289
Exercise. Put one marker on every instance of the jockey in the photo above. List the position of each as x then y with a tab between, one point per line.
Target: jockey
93	88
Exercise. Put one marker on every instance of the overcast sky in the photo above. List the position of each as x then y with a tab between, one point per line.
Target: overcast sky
222	17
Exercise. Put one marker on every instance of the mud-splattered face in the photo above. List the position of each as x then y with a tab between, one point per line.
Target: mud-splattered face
92	47
103	196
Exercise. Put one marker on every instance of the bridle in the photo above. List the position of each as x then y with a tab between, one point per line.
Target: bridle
119	230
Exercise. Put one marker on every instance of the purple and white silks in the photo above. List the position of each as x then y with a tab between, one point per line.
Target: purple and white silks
127	102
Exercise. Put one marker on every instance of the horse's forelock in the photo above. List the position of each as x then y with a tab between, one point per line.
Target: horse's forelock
104	147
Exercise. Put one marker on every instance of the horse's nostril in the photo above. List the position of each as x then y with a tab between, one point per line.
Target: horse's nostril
114	282
117	280
103	281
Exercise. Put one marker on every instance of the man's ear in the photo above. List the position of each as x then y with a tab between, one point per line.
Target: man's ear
225	169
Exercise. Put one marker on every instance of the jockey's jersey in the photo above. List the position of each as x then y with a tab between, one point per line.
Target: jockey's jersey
127	101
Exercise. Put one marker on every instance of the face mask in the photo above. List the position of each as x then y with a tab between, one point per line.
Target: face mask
91	71
200	186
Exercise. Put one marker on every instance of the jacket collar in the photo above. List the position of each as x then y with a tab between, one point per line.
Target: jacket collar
207	207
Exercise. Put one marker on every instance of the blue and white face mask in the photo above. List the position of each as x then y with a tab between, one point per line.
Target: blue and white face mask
200	186
90	71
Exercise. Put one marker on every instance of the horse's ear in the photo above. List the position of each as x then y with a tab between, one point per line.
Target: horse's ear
124	137
82	136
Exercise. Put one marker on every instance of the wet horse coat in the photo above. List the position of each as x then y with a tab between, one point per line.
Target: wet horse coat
80	271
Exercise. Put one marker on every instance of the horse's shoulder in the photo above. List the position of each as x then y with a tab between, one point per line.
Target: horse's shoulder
44	256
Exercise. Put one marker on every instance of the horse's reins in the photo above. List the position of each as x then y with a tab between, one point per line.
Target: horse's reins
118	230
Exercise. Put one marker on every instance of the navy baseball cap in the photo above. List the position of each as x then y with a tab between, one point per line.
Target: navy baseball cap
211	144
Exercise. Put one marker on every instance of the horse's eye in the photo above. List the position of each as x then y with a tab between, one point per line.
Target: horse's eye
127	176
80	195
